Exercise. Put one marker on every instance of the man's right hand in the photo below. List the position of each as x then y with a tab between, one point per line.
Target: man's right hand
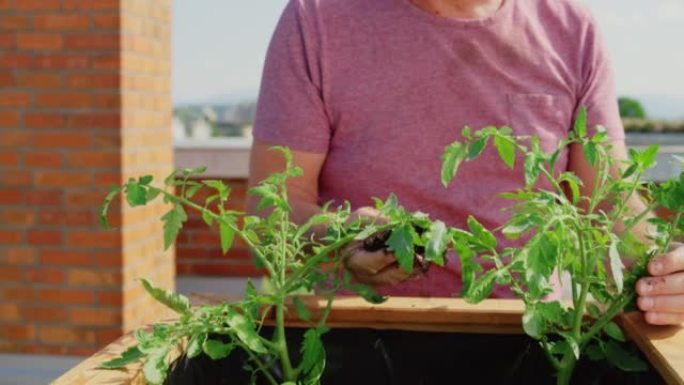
374	268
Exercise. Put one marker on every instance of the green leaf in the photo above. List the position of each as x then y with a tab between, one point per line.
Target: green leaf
506	149
438	239
622	359
113	192
135	194
155	366
481	287
614	331
532	169
218	185
475	148
207	217
630	170
401	243
616	266
173	222
195	345
366	292
574	183
581	122
129	356
533	323
192	190
452	157
302	311
227	234
174	301
590	152
312	350
594	352
648	156
245	330
519	224
217	350
484	236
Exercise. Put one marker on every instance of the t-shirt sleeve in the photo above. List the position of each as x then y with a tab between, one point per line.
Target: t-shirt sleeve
597	87
290	110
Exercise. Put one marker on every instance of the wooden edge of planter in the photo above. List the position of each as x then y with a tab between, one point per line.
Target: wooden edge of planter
663	346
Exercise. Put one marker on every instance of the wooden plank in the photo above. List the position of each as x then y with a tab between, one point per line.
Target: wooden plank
662	345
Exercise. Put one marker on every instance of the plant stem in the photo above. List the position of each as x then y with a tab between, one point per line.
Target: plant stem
281	343
567	366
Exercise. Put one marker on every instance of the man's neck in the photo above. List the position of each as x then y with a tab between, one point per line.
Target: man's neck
460	9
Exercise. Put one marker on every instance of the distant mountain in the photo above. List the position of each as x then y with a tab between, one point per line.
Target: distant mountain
662	106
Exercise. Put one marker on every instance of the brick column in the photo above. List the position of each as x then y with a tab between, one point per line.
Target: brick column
84	104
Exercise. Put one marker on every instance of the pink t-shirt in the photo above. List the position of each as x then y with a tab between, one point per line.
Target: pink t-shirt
381	87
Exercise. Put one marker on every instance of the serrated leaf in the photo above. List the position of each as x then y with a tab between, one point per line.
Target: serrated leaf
401	243
174	301
614	331
574	183
227	235
245	330
590	152
135	194
484	236
129	356
192	190
195	345
630	171
506	150
145	180
532	169
173	222
616	266
217	350
451	159
581	122
481	287
312	350
648	156
207	217
438	238
302	311
155	366
622	359
475	148
533	323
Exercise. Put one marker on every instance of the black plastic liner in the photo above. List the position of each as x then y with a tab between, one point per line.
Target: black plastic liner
390	357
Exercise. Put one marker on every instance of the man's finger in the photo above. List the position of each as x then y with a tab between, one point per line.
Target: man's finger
368	263
668	263
662	303
658	318
668	284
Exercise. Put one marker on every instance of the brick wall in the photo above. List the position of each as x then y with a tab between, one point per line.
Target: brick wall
84	104
198	250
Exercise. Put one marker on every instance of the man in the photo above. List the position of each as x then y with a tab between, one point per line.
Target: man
368	92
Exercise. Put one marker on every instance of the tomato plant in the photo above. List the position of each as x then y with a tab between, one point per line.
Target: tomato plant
585	237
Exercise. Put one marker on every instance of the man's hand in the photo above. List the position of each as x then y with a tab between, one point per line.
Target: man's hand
661	296
375	268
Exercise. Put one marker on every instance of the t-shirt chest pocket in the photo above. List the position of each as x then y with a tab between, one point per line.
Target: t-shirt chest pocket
547	116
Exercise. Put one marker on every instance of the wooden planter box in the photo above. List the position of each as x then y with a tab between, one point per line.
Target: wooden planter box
663	346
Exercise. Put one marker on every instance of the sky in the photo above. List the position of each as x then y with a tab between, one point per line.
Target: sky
219	48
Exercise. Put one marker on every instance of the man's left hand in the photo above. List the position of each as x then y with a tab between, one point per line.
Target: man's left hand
661	296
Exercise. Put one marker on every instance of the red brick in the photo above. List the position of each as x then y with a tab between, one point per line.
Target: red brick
66	258
92	277
93	42
95	317
63	61
43	159
6	40
64	100
17	178
10	196
67	296
108	61
110	298
44	237
94	239
61	22
44	120
37	5
39	41
18	217
13	22
66	218
38	80
16	60
94	159
63	178
9	158
86	199
66	335
9	312
17	294
107	336
17	332
95	120
99	5
6	80
14	139
107	179
93	81
45	275
14	99
8	119
45	198
9	273
19	256
107	21
111	100
43	314
71	140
